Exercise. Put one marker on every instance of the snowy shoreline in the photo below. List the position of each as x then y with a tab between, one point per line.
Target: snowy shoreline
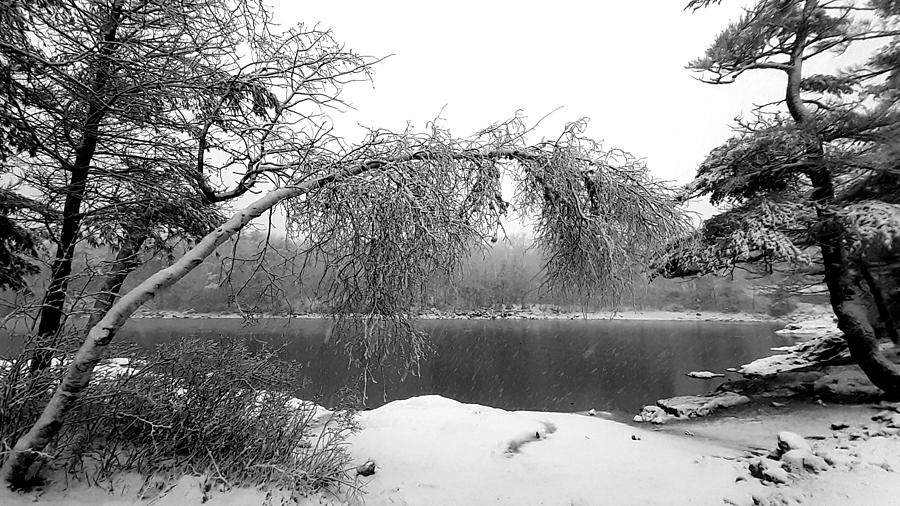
438	451
513	314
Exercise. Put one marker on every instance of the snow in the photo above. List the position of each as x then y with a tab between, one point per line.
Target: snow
437	451
704	375
819	325
433	450
536	313
828	348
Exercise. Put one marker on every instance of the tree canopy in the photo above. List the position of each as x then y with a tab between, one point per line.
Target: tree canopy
810	182
134	116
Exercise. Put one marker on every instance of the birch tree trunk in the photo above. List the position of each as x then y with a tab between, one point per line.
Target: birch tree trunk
78	374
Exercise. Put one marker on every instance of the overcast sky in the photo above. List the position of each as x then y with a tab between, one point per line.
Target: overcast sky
619	63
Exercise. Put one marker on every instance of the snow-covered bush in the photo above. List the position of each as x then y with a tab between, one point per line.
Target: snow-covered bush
206	407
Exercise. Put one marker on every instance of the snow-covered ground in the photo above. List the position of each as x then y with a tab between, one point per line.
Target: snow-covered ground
435	451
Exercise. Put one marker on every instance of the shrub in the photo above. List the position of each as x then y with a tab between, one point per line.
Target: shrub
204	407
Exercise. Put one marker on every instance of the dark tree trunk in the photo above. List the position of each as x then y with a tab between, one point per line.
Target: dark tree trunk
51	313
126	261
848	297
888	323
850	307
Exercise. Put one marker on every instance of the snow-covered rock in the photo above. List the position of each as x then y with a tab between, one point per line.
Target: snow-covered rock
704	375
890	418
701	405
769	470
802	460
653	414
817	326
826	349
788	441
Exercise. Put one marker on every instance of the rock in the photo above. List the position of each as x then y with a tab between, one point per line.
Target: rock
635	437
888	406
836	458
875	433
788	441
778	404
802	460
704	375
785	391
653	414
890	418
732	369
696	406
827	349
882	416
839	425
366	469
848	383
592	412
769	470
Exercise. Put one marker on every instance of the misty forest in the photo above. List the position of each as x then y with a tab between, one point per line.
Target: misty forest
235	269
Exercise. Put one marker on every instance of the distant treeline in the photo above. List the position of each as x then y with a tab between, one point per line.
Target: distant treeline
256	276
507	274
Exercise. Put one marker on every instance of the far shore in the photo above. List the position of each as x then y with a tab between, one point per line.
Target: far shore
507	314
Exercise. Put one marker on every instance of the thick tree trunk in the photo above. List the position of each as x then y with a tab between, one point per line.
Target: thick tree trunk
888	324
849	305
847	296
51	314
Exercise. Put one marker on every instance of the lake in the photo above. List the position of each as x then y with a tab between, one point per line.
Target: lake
558	365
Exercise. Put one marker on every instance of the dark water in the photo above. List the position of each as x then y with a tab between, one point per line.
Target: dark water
561	365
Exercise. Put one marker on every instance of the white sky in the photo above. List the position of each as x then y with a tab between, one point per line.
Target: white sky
619	63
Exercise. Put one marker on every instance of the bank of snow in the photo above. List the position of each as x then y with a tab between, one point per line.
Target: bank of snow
433	450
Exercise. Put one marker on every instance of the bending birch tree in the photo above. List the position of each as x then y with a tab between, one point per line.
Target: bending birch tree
385	214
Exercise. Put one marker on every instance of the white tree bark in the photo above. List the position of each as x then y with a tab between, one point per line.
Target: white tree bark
79	372
99	336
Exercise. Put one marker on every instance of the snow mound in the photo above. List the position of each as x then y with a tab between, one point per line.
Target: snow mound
433	450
